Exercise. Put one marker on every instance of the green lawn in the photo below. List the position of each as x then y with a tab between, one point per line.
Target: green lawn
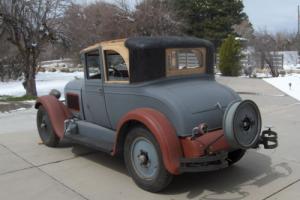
14	99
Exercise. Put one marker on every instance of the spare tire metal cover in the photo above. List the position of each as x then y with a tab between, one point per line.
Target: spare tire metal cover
242	124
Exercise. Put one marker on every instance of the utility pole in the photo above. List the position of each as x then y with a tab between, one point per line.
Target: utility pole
298	35
298	21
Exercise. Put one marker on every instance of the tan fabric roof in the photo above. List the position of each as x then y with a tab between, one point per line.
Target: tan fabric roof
105	44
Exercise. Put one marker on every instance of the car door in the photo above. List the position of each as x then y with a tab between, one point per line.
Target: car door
93	94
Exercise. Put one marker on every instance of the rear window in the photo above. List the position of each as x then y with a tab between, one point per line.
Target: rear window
185	61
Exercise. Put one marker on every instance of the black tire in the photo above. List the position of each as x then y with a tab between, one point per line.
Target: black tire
235	156
161	177
44	126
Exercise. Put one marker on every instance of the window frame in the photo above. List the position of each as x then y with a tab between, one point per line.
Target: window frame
121	51
188	71
87	74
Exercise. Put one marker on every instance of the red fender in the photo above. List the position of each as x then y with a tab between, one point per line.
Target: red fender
57	112
162	130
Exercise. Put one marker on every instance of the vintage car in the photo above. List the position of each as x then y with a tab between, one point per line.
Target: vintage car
155	102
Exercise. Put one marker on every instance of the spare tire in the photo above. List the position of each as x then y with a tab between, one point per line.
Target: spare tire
242	124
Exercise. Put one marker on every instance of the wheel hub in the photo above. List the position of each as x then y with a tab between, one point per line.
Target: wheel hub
43	125
144	159
246	124
45	128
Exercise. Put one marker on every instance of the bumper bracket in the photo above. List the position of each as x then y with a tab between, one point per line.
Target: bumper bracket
269	139
205	163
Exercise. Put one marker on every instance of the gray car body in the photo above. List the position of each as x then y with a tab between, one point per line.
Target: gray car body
186	101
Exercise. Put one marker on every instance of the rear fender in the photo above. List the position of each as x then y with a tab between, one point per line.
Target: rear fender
162	130
57	112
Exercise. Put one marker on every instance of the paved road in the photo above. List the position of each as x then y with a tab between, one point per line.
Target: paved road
32	171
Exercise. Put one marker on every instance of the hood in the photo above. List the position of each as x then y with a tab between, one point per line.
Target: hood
194	101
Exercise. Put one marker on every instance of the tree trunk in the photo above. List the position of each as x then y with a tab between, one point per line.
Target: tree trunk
274	69
29	83
30	86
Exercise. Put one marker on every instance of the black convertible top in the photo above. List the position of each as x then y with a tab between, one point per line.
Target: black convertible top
148	55
143	43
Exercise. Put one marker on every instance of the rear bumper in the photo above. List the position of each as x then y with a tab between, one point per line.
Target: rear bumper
208	152
204	163
207	144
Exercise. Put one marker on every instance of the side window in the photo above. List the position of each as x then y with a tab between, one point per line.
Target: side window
116	69
92	60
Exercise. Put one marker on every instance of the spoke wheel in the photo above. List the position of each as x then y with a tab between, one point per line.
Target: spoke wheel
143	160
45	129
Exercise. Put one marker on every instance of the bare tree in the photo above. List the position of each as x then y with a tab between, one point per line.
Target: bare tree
102	20
284	41
9	60
156	17
294	42
96	22
30	25
244	29
265	48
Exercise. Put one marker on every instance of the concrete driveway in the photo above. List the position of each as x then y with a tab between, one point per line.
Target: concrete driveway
29	170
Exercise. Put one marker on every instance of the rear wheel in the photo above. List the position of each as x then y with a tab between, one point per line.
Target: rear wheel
47	135
143	160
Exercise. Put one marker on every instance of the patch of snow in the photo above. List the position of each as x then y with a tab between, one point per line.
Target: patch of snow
19	109
289	84
258	75
66	62
291	66
45	81
290	59
263	75
2	114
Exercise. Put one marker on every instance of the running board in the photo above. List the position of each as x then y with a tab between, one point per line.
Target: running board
90	135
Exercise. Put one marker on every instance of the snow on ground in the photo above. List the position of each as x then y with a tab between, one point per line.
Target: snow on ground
290	60
282	83
67	62
45	81
291	67
49	80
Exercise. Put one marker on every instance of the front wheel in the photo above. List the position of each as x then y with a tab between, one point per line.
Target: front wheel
143	160
47	135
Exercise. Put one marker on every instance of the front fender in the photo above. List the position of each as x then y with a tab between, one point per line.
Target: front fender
57	112
162	130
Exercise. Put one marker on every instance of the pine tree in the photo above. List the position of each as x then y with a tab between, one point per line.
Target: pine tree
230	56
210	19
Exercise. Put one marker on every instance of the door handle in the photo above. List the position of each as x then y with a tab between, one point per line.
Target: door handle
100	90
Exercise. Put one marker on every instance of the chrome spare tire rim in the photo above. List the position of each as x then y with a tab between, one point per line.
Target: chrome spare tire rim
242	124
144	158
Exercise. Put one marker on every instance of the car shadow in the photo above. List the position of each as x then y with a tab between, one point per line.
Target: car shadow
255	169
115	163
65	144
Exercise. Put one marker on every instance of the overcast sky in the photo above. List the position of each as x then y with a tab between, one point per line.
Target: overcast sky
273	15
